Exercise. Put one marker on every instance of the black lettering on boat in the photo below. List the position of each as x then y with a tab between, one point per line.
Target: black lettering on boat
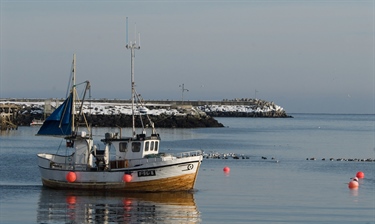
146	173
190	166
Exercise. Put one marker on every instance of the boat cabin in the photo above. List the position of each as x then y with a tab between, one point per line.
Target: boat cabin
136	148
127	149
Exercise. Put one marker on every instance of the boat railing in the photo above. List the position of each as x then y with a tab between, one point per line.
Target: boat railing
119	164
189	154
69	166
164	157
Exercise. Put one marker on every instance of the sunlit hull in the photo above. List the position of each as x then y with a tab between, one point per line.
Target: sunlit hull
172	175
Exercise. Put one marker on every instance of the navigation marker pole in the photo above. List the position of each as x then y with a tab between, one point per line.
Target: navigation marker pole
182	92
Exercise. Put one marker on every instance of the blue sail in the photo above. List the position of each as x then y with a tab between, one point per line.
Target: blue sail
59	122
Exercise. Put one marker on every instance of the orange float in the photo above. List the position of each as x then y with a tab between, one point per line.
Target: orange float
353	184
127	178
360	174
226	169
71	177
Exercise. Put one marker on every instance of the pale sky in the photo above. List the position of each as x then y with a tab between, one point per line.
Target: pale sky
306	56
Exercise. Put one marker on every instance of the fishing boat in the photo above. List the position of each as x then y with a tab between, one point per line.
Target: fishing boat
133	163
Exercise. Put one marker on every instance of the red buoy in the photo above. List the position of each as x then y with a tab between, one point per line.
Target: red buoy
226	169
353	184
127	178
71	177
360	175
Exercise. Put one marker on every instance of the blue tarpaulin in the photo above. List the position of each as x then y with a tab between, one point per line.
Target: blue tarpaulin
59	122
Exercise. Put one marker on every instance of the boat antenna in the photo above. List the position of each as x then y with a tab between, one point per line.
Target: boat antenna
132	46
74	91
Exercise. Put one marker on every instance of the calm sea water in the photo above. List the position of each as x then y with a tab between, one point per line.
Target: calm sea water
286	189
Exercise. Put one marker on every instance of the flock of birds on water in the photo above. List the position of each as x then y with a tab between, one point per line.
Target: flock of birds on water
217	155
343	159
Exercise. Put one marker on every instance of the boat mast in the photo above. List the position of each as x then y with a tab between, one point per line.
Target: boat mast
73	91
132	46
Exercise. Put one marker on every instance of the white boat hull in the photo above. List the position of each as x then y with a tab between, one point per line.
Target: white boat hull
171	175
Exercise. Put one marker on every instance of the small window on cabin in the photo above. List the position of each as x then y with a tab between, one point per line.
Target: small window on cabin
123	147
136	147
152	146
156	146
147	145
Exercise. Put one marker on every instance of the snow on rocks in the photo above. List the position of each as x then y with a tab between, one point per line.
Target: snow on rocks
255	108
227	108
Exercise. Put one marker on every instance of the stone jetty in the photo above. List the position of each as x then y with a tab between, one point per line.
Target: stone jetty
165	114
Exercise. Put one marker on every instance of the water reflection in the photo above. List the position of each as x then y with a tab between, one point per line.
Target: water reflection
105	207
8	132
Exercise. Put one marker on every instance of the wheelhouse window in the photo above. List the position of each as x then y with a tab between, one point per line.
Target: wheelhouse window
123	147
156	146
147	146
152	146
136	147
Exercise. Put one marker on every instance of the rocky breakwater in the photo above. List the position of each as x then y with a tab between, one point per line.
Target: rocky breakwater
119	115
160	121
164	114
245	108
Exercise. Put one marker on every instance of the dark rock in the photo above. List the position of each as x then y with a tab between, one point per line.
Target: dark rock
161	121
